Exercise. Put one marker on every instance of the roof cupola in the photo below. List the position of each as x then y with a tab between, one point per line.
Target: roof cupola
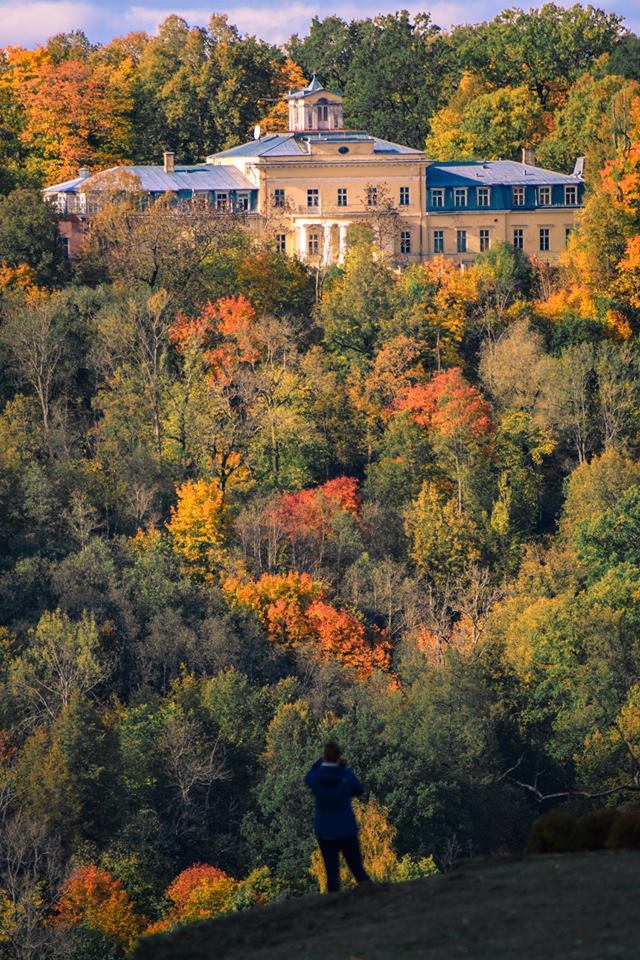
314	108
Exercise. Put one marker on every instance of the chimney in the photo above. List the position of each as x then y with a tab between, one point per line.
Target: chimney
84	173
528	156
169	161
580	167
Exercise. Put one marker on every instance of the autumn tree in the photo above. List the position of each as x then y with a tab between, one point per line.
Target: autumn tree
459	419
197	527
436	303
92	897
377	836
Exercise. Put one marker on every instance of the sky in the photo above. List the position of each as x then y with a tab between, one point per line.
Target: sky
29	22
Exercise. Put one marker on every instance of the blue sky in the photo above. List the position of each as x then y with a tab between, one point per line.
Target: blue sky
31	21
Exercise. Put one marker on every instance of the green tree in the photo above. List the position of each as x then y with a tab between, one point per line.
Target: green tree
29	234
545	47
63	660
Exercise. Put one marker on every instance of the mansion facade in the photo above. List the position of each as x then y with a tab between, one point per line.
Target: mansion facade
303	189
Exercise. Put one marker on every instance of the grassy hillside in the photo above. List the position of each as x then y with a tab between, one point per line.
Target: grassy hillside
573	906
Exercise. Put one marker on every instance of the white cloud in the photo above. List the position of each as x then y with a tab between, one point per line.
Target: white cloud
33	21
29	23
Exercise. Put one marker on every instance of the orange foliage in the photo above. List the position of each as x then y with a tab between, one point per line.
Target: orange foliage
449	405
628	282
21	279
186	333
235	319
340	635
289	77
198	893
227	333
91	896
278	602
75	116
187	881
294	611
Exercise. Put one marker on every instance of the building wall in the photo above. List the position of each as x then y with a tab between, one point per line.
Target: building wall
501	225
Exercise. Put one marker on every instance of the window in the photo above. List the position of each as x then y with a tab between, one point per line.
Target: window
242	201
404	197
437	197
313	244
372	196
518	238
459	196
281	242
567	234
571	196
438	241
461	241
278	198
342	197
484	240
544	238
64	243
518	196
323	113
222	201
544	196
405	241
313	197
484	196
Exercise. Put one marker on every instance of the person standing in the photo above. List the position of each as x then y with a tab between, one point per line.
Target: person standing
333	785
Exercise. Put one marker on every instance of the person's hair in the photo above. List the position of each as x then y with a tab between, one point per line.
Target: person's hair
332	752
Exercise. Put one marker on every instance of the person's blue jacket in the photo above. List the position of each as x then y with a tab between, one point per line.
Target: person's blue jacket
333	786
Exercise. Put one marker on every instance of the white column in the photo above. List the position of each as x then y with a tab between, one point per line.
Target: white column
343	242
302	240
326	243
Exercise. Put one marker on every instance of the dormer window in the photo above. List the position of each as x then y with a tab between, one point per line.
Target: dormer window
437	196
484	196
518	196
544	196
570	196
459	196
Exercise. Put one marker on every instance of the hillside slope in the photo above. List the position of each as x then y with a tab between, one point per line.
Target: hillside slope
582	907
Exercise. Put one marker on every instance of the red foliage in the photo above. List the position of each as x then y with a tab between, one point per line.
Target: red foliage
449	405
187	881
308	512
186	333
7	747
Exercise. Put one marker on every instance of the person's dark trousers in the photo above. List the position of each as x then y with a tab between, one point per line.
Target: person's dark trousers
331	848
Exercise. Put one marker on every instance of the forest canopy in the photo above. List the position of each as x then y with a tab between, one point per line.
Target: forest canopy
247	506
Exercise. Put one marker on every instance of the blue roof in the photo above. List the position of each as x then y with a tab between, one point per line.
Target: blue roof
68	186
201	177
314	87
294	144
498	172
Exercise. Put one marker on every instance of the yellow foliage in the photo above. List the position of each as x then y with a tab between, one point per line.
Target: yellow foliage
211	898
197	527
377	837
